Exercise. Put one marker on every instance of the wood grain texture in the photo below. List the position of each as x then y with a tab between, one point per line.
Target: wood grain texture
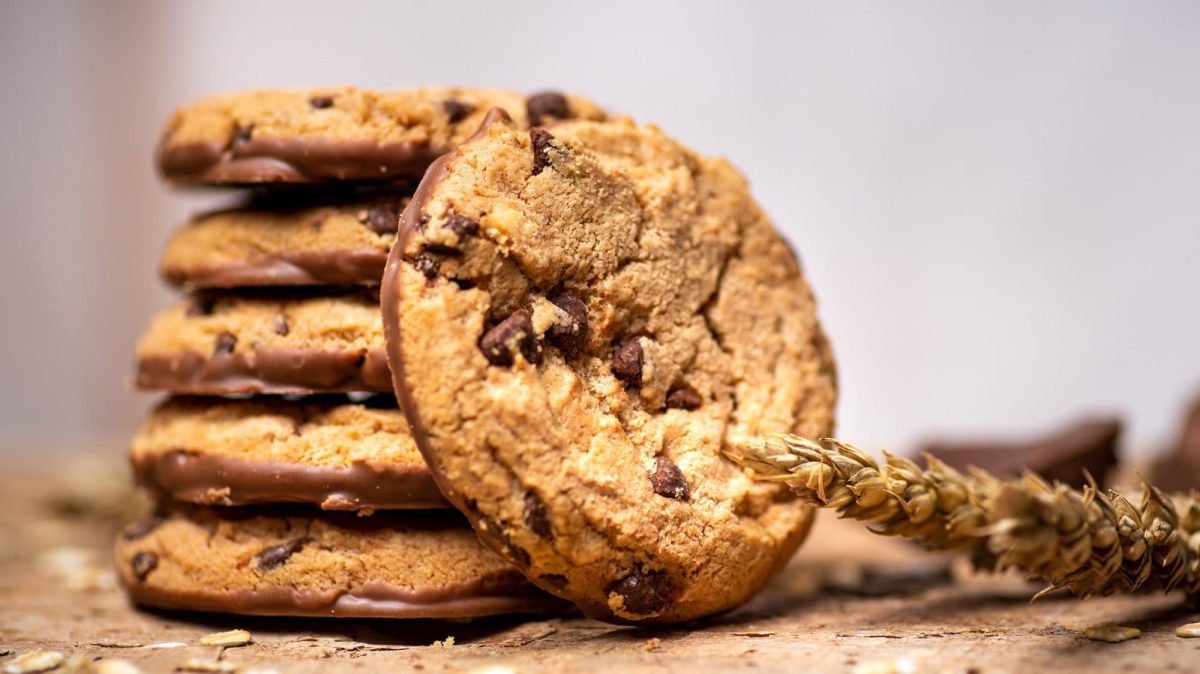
850	602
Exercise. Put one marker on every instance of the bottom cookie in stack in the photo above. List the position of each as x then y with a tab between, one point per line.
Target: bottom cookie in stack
264	506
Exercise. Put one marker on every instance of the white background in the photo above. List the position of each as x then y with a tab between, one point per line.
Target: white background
997	203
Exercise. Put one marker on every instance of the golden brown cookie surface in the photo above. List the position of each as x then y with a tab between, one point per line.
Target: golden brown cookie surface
327	451
279	562
336	133
265	343
578	318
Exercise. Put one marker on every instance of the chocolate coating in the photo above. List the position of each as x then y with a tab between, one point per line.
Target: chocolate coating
266	371
298	268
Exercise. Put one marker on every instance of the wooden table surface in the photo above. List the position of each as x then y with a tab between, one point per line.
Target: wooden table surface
850	602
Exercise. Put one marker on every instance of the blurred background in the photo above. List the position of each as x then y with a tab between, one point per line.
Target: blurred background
998	204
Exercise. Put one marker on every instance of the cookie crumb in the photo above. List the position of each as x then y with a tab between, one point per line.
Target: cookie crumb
1113	634
34	661
227	639
652	644
444	643
1188	631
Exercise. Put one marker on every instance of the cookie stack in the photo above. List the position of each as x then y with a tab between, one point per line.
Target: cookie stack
286	478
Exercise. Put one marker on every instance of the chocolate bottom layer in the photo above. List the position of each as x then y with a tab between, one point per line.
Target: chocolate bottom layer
374	600
266	371
219	480
296	268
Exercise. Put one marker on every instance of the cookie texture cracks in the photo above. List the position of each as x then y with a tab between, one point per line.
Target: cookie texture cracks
573	362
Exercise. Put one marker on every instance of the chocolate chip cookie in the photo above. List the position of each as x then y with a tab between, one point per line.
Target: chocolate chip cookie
287	240
279	562
323	450
266	343
578	319
337	133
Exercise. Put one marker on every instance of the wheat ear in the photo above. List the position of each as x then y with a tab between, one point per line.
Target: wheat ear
1091	541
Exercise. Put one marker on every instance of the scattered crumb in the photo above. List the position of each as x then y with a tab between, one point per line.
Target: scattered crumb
1113	634
1188	631
444	643
652	644
890	666
34	661
227	639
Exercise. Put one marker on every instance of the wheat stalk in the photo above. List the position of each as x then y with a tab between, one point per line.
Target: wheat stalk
1091	542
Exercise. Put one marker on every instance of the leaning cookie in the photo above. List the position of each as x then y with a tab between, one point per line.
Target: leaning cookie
270	343
287	239
322	450
615	308
263	562
337	133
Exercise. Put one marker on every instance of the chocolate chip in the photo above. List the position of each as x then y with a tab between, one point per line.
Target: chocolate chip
535	516
141	529
683	399
569	336
422	219
321	102
668	480
644	592
554	580
382	220
426	265
541	140
546	104
457	110
281	326
627	362
200	306
491	533
225	343
142	564
462	225
516	331
270	557
242	134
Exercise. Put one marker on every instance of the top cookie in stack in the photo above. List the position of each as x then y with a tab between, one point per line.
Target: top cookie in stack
281	407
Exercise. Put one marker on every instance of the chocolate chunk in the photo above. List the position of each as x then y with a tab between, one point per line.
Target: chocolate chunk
569	336
554	580
141	529
281	326
514	332
535	515
457	111
1090	444
142	564
321	102
462	225
541	140
382	220
668	480
491	533
627	362
225	343
270	557
242	134
426	265
644	592
546	104
683	399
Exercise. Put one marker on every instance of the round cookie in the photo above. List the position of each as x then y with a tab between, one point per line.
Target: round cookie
266	343
336	133
577	321
287	240
263	562
323	450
